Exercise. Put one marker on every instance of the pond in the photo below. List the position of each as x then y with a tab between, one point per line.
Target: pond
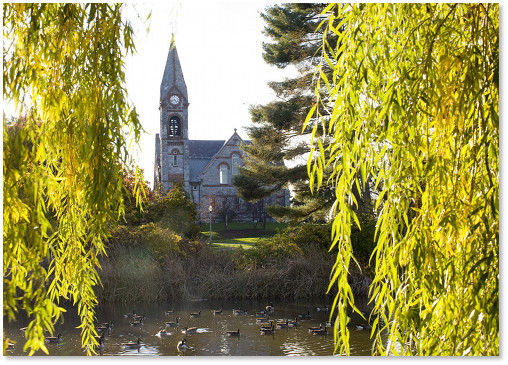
210	339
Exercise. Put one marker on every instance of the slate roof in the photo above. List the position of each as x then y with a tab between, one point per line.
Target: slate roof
200	154
204	148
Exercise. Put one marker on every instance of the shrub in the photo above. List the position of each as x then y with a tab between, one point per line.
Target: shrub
174	211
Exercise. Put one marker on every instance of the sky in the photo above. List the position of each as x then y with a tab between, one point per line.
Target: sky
220	49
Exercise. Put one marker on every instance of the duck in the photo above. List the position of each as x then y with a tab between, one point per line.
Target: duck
130	315
293	323
195	315
269	308
312	329
101	344
304	315
190	330
56	339
267	327
262	320
217	312
108	324
182	346
172	324
168	313
283	324
104	329
322	309
363	327
98	338
240	312
10	346
261	314
320	332
133	345
268	330
162	333
139	318
23	329
233	333
137	323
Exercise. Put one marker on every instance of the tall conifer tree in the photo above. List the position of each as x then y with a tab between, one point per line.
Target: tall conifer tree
277	131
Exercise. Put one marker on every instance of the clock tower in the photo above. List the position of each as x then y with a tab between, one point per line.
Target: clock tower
171	162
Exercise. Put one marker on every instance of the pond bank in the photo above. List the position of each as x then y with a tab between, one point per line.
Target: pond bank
132	274
151	263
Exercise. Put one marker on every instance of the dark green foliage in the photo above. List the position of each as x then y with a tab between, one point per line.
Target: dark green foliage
174	211
278	124
292	28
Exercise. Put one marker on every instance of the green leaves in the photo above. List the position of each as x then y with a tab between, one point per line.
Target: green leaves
63	63
413	104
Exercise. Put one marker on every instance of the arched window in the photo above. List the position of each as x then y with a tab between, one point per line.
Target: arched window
223	174
174	126
235	162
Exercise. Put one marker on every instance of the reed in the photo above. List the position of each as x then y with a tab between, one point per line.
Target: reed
129	275
157	265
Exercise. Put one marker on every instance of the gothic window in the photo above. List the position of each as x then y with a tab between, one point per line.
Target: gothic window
235	162
174	126
223	174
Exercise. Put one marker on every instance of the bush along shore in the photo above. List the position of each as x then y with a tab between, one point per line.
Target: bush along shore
153	263
161	255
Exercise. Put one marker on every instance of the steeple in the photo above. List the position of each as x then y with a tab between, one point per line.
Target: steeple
172	146
172	80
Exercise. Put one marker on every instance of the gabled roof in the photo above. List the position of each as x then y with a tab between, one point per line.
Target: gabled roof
200	154
220	150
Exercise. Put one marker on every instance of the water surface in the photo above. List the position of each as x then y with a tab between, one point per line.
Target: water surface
211	338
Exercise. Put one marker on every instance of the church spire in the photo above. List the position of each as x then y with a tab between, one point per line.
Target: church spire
172	80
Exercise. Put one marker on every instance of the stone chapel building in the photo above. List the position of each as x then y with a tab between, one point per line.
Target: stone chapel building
203	167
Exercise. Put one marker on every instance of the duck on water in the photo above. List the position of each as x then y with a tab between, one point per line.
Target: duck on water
182	346
233	333
133	345
172	324
56	339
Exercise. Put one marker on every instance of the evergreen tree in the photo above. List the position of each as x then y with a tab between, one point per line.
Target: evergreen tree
277	130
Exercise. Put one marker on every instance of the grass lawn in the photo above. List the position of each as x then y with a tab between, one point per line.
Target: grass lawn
228	246
239	234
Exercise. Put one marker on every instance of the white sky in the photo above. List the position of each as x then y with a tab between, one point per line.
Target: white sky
220	49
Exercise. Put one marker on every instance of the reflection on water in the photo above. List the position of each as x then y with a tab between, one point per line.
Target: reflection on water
210	337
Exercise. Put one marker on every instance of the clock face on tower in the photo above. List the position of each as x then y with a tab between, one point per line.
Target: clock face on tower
174	99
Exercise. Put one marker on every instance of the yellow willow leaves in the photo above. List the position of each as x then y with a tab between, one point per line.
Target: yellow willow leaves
63	66
414	107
